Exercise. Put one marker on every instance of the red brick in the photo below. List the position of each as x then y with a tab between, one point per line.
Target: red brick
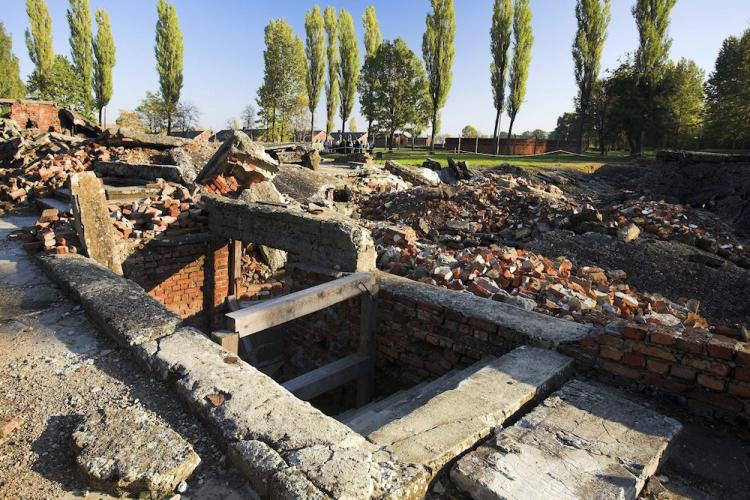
656	366
589	344
635	332
709	382
610	340
720	400
742	354
609	353
665	383
692	340
738	389
683	372
656	352
721	347
663	337
706	365
633	360
741	373
618	369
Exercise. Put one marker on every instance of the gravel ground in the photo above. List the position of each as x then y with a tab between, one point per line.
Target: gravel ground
54	370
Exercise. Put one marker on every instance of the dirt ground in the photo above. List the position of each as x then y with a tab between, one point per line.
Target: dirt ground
54	370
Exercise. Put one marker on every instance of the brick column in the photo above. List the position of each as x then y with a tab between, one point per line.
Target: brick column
220	284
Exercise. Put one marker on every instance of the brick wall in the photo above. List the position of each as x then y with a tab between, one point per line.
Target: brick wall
189	274
711	373
43	115
517	146
420	340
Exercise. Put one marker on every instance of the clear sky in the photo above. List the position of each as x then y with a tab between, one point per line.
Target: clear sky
224	49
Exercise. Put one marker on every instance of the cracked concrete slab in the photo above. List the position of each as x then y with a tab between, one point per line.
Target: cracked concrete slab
438	425
584	441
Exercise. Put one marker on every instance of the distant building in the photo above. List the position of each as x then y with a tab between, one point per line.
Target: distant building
357	137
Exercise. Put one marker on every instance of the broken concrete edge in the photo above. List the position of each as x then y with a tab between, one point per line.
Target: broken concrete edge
117	306
326	240
171	173
286	447
531	327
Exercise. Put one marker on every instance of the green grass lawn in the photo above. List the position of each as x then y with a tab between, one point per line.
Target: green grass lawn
561	161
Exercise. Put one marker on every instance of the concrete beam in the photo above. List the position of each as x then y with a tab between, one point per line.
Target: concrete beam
325	240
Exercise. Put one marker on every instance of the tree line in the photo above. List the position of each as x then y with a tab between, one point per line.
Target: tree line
83	82
649	99
396	90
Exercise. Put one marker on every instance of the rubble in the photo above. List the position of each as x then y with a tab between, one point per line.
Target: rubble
414	175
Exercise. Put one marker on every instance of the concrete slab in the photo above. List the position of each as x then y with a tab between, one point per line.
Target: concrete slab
440	423
584	441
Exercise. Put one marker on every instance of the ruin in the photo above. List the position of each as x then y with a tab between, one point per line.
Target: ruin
332	356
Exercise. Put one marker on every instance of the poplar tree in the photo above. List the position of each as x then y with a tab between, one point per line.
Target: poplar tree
11	85
523	39
593	18
652	21
367	81
39	42
438	51
332	52
168	51
316	60
500	36
348	67
79	21
104	61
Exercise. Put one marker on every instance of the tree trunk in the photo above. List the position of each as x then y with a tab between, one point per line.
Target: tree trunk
312	127
510	133
100	116
495	134
579	138
432	132
169	123
369	129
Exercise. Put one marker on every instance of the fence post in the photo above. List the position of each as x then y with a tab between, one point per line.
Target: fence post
476	145
459	144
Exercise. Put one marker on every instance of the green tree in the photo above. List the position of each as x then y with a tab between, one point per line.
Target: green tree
332	52
652	21
727	96
367	84
11	85
316	60
684	106
169	56
283	87
523	39
625	105
402	93
39	42
469	132
348	66
104	61
438	51
61	85
500	36
79	21
130	120
593	17
152	112
352	124
565	131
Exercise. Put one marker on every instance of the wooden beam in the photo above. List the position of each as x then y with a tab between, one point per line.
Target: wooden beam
280	310
327	377
228	340
367	345
235	266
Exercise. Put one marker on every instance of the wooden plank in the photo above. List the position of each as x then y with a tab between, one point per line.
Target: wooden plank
277	311
367	345
327	377
235	266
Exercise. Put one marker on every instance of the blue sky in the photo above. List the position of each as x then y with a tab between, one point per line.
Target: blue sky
224	49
